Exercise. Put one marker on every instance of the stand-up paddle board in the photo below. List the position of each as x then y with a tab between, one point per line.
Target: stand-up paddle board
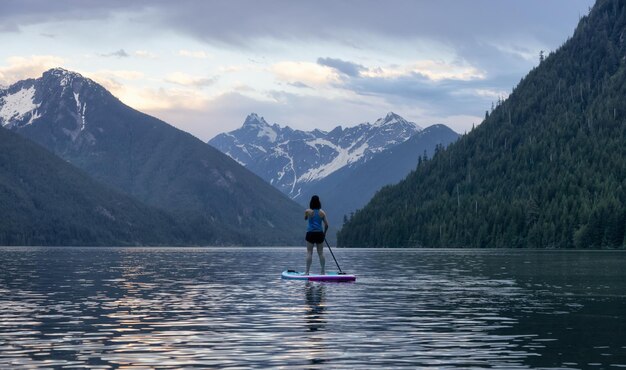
331	276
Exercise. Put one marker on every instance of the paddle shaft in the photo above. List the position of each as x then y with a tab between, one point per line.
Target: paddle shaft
332	254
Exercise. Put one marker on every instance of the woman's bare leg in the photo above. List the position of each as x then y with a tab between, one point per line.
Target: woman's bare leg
309	257
320	253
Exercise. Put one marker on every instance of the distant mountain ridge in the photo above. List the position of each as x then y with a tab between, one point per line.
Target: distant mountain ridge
293	159
80	121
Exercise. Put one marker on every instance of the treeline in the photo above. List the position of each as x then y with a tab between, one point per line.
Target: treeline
545	169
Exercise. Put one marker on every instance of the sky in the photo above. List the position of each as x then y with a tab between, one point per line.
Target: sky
203	66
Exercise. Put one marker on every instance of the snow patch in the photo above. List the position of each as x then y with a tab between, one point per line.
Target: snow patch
267	132
260	148
65	80
65	77
16	106
290	166
343	158
235	158
244	149
80	109
34	115
322	142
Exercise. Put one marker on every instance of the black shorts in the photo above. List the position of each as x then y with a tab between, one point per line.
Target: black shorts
315	237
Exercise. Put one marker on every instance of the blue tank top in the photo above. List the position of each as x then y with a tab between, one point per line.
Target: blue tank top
315	222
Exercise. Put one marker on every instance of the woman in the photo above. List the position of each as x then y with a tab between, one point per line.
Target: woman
314	232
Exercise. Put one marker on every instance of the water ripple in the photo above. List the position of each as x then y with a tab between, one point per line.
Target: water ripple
228	308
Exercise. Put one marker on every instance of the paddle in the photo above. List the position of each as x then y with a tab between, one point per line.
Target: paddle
332	254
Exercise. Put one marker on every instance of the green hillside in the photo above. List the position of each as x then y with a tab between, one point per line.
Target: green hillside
546	168
45	201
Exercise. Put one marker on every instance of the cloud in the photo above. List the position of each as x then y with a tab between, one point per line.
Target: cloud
16	14
431	69
124	74
183	79
117	82
443	88
244	23
299	85
230	69
130	87
347	68
159	99
306	73
20	68
491	93
146	54
490	35
110	79
194	54
441	97
434	70
118	54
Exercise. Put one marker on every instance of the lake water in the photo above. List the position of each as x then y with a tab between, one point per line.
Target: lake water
228	308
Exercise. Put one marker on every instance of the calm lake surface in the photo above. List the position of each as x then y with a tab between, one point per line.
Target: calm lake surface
228	308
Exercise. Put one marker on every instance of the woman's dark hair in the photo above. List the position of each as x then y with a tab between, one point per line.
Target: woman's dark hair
315	202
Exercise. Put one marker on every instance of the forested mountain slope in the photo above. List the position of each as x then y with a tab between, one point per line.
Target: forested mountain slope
546	169
46	201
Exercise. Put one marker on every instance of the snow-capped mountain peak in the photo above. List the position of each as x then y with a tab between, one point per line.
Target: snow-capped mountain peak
289	158
253	119
60	99
257	127
391	119
63	76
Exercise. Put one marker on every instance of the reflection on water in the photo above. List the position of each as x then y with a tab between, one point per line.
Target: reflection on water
228	308
314	294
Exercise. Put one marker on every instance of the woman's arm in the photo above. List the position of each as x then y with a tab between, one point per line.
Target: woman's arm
323	215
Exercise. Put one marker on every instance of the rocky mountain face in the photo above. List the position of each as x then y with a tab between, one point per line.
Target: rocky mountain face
292	160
